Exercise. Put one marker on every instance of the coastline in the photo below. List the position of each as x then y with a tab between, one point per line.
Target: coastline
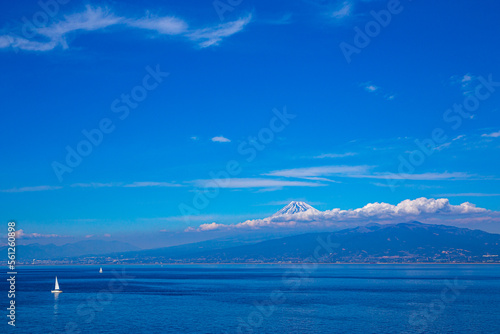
256	264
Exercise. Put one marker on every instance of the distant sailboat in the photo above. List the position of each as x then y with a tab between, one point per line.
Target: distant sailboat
100	270
56	288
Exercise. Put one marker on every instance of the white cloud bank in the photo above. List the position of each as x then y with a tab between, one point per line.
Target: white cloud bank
20	234
56	33
491	135
220	139
422	209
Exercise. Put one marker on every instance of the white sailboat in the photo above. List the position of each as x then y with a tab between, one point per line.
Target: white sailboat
56	288
100	270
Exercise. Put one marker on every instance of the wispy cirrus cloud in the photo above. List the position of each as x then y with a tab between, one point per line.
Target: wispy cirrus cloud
167	25
308	177
344	10
321	171
422	176
366	172
30	189
151	184
448	144
139	184
55	34
335	155
94	185
214	35
95	18
257	183
468	195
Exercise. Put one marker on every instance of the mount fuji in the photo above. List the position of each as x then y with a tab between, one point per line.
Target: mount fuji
295	207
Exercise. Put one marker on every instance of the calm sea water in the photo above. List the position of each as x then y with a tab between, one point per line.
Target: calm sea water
257	299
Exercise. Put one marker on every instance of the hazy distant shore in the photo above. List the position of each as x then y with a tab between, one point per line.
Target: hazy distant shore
254	264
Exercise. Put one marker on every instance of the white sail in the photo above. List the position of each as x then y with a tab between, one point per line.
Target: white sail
100	270
56	287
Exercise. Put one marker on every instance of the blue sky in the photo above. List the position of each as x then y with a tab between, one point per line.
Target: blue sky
426	73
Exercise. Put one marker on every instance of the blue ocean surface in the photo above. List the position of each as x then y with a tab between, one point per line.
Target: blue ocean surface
256	299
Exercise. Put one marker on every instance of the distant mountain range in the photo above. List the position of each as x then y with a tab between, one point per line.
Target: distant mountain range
405	242
395	243
28	253
411	242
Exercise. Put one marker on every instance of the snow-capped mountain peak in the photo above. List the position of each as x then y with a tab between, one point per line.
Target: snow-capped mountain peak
294	207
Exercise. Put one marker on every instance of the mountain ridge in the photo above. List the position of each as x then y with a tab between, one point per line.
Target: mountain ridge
410	242
36	251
